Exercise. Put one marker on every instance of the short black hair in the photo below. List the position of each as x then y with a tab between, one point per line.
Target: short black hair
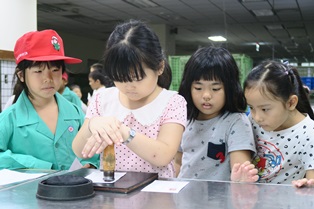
131	45
281	81
213	63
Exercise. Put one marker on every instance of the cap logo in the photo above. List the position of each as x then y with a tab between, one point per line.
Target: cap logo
21	55
55	43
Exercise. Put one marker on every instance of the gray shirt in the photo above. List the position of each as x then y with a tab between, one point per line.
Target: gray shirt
206	146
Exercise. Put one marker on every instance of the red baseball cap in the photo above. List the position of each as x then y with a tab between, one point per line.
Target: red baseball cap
44	45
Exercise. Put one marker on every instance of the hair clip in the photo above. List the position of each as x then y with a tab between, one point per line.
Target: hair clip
285	62
286	71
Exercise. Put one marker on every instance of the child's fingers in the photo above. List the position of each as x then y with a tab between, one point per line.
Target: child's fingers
255	178
299	183
249	167
101	147
310	182
113	134
254	171
87	149
91	146
94	149
246	163
236	167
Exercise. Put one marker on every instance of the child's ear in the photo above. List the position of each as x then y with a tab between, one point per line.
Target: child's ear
161	69
292	102
20	75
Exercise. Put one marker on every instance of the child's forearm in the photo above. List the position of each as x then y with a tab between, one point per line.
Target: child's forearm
81	139
160	151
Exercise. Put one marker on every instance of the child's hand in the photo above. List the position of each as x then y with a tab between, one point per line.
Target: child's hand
93	146
245	172
105	131
303	182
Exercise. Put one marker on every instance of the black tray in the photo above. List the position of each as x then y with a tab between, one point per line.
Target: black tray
127	183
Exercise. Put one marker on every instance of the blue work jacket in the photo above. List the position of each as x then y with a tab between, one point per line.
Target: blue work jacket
27	142
71	96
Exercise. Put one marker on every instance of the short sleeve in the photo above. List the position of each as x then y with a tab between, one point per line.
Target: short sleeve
241	135
176	112
93	108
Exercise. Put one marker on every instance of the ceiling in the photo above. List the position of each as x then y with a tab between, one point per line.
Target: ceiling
286	32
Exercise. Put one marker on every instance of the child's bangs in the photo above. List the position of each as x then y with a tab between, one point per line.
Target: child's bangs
208	74
49	64
123	64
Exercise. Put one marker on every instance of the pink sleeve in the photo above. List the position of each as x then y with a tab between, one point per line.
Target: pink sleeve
93	108
176	111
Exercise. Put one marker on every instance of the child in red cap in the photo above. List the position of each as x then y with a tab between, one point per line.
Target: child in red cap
38	129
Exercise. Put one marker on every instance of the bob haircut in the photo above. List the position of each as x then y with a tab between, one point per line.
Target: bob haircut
211	63
131	47
281	81
26	64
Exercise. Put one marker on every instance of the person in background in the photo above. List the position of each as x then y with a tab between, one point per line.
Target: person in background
139	116
98	80
96	66
77	90
17	88
37	131
219	133
283	125
67	93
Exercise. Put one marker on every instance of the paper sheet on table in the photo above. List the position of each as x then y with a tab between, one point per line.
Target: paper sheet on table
9	176
98	175
75	165
165	186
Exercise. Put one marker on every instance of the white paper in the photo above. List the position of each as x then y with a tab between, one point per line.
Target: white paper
98	176
75	165
165	186
8	176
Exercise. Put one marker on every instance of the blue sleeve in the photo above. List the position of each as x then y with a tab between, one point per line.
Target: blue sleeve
95	161
11	160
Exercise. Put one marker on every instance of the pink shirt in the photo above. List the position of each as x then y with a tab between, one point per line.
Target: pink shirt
168	107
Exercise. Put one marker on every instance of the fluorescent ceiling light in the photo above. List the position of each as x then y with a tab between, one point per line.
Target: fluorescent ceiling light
263	12
217	38
254	43
274	27
293	64
305	64
142	3
251	0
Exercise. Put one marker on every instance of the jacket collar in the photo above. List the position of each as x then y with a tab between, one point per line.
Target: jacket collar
28	115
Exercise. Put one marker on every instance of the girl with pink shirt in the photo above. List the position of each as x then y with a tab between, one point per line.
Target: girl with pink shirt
143	119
